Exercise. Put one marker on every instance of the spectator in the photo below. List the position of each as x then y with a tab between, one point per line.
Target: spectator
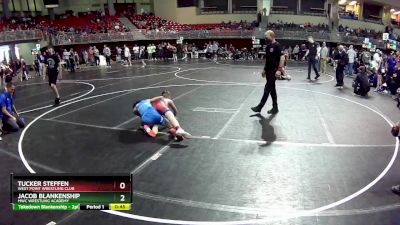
324	58
36	65
351	54
91	55
149	53
174	53
72	62
76	59
290	52
5	74
296	52
127	54
41	58
118	51
107	55
85	55
376	66
135	52
66	56
96	54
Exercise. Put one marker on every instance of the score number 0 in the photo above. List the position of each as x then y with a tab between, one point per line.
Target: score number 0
122	187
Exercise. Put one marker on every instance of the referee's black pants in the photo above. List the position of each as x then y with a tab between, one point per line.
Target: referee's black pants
10	125
108	60
312	63
270	89
339	75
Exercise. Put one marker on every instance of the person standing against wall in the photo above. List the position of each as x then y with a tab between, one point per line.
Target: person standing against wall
272	59
149	52
66	55
352	57
107	55
96	53
324	58
127	55
136	51
42	59
91	55
296	51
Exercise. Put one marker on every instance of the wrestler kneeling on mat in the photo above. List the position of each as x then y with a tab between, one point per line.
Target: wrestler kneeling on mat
152	113
280	74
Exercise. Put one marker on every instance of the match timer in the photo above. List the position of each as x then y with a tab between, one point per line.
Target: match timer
71	192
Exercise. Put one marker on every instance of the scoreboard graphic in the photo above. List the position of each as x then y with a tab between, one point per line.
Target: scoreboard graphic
71	192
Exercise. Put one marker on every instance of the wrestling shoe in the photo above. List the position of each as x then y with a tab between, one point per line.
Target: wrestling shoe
256	109
149	131
176	138
183	133
56	102
396	189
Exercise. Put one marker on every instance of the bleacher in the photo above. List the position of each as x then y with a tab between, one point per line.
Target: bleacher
151	22
90	22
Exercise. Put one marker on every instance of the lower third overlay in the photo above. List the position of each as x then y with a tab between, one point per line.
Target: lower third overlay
71	192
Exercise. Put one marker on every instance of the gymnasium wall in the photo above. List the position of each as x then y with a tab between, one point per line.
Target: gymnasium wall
23	6
297	19
79	5
166	9
25	51
146	5
75	5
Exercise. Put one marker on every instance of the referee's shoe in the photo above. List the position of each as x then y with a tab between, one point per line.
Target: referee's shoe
257	109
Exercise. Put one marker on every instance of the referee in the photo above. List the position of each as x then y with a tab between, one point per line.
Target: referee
312	54
272	58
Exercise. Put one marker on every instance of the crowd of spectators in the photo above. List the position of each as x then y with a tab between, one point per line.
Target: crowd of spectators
148	21
368	33
280	25
348	15
380	67
84	23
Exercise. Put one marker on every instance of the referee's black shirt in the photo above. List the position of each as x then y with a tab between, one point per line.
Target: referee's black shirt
272	57
312	48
